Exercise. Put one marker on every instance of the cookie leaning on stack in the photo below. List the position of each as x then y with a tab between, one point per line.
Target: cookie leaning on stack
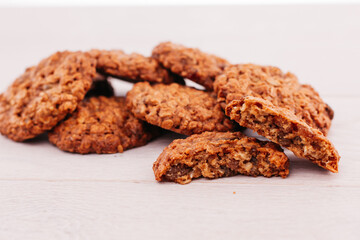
278	107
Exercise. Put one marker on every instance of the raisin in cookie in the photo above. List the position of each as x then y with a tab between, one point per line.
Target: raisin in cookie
283	127
177	108
190	63
219	154
101	125
45	94
282	90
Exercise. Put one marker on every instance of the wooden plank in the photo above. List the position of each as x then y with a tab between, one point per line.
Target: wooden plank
92	210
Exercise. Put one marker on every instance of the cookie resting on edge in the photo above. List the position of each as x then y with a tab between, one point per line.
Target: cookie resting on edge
101	125
177	108
219	154
45	94
132	67
282	90
281	126
190	63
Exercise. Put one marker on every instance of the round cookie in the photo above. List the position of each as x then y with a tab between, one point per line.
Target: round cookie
281	89
190	63
45	94
132	67
177	108
101	125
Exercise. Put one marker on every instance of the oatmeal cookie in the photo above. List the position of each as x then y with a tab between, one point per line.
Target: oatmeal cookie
283	127
100	87
101	125
177	108
219	154
190	63
45	94
132	67
282	90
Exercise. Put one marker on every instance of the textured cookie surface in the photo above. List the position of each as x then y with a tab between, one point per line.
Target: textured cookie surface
45	94
219	154
282	90
283	127
190	63
132	67
177	108
101	125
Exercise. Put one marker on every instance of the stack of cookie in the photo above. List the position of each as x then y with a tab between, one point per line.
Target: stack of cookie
68	94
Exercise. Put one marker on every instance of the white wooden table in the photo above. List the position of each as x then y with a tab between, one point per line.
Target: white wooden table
49	194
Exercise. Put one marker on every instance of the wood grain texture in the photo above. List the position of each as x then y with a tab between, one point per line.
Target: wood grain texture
49	194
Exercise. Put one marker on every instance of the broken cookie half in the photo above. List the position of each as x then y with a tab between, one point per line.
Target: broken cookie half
285	128
219	154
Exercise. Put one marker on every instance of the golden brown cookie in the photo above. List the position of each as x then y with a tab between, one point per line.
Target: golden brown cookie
101	125
283	127
219	154
45	94
190	63
132	67
177	108
282	90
